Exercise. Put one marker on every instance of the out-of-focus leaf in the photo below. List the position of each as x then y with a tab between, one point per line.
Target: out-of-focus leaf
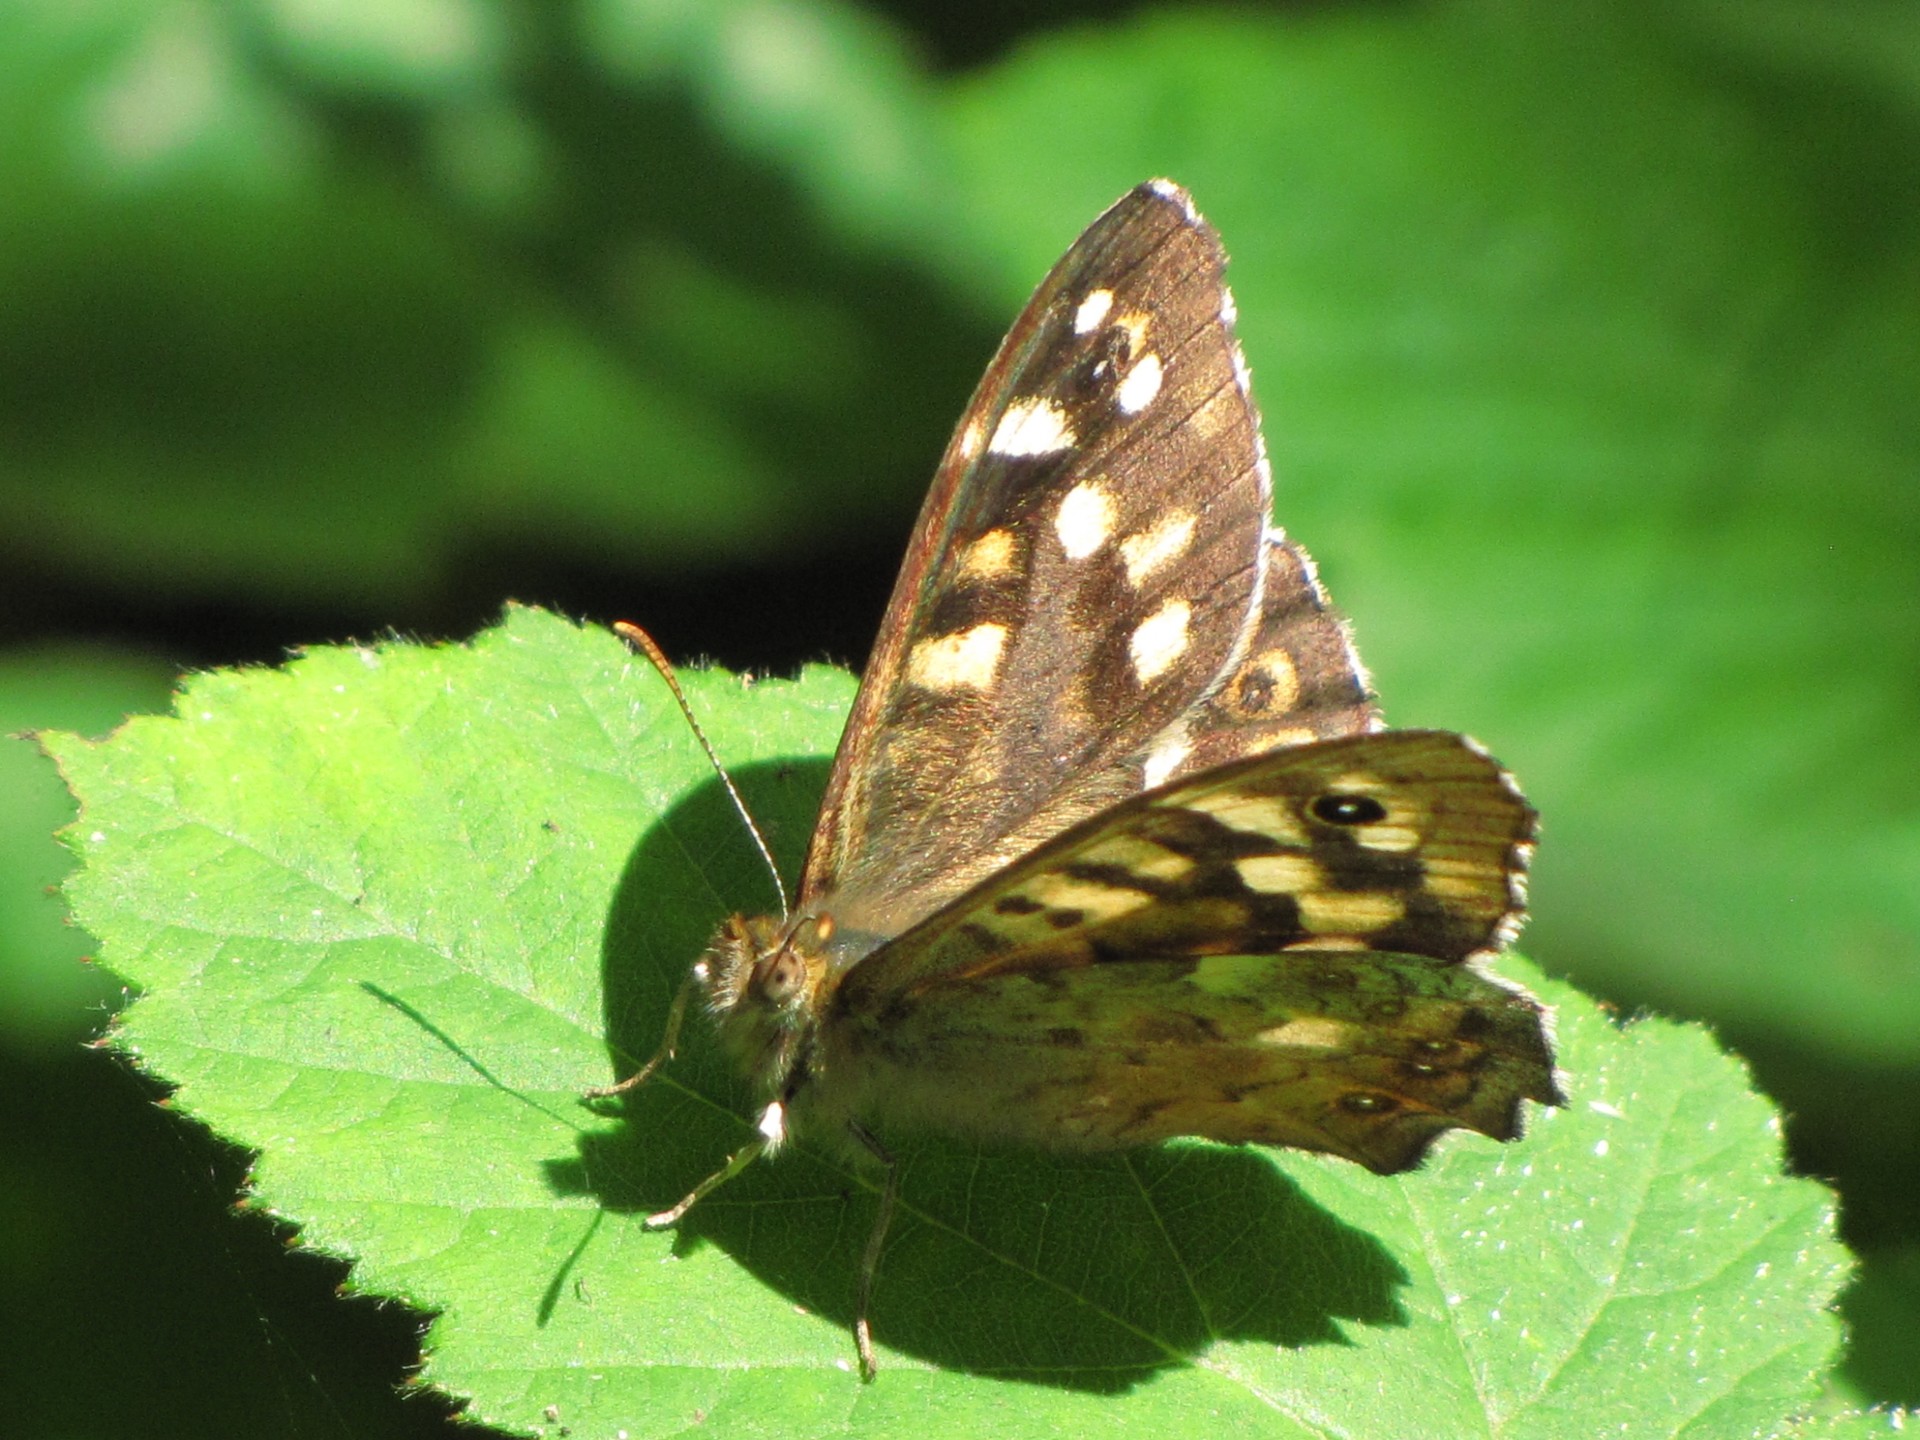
1882	1311
824	89
320	302
48	997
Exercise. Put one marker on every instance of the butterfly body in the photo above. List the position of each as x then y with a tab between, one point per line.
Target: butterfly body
1114	847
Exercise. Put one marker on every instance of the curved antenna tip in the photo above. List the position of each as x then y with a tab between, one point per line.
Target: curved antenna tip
656	657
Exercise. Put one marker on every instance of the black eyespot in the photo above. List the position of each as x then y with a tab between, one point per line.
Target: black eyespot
1361	1103
1254	690
1349	810
1094	377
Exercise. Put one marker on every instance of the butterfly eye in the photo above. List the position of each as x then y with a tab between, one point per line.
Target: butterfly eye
780	976
1348	810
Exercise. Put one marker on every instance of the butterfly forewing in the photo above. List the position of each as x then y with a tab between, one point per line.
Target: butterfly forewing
1088	564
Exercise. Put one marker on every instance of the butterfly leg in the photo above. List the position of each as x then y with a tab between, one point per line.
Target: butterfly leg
739	1161
676	1014
870	1261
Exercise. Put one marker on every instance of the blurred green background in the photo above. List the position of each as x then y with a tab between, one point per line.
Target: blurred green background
1585	333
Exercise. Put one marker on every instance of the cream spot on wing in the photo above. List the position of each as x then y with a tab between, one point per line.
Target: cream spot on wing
1268	815
1396	839
970	440
964	660
1164	759
1280	874
1291	735
1136	392
1138	856
1309	1032
1164	540
1476	885
1084	521
1352	912
988	558
1356	782
1032	427
1092	311
1159	640
1100	902
1135	323
1328	942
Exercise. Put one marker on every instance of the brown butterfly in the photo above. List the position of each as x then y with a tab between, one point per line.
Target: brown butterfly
1114	848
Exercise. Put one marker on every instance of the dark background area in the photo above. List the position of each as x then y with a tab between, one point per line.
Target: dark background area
311	334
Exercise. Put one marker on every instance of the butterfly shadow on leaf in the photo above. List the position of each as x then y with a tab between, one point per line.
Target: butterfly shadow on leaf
1085	1272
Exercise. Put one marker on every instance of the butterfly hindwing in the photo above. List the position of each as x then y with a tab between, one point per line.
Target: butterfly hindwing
1308	1049
1087	565
1270	951
1405	842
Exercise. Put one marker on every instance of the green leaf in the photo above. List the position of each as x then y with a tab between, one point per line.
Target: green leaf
1584	338
1852	1425
391	908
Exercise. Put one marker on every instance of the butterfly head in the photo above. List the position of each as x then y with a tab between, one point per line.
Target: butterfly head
763	978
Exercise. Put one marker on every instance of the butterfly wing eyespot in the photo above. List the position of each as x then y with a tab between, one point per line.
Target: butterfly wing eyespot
1348	809
1362	1102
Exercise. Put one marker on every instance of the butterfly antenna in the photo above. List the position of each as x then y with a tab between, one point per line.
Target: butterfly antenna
656	657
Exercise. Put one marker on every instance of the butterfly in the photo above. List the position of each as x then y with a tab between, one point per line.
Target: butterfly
1115	847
